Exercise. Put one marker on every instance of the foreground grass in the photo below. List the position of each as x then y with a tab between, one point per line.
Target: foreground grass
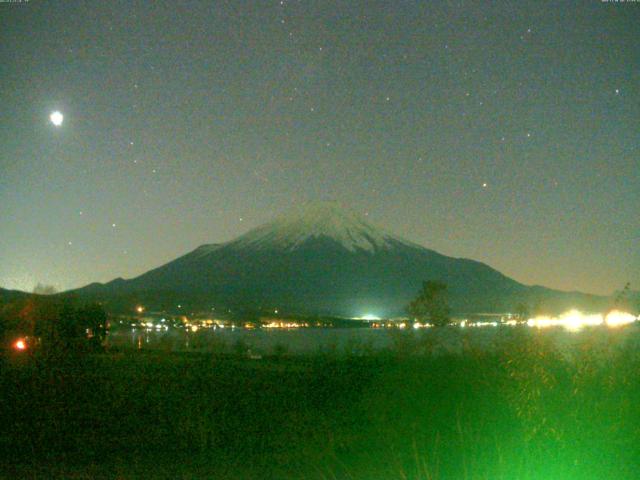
524	411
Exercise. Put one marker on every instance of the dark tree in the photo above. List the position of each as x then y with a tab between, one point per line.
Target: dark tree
69	327
41	289
3	325
622	296
431	304
92	319
65	326
522	311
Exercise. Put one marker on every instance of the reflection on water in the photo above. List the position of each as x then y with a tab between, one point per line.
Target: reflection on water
354	340
263	341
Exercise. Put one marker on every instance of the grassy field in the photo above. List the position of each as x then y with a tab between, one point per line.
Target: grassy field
523	411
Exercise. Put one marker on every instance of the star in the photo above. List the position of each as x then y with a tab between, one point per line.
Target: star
484	185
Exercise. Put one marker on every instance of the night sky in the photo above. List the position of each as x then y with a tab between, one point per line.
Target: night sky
506	132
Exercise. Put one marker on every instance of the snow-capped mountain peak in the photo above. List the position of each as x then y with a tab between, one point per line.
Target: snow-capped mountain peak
320	220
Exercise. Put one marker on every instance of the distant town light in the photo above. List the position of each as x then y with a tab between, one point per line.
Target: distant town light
616	318
20	344
574	320
139	309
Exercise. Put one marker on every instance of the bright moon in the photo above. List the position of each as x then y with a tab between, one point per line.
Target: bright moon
56	118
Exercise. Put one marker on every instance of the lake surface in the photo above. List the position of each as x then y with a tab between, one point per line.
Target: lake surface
361	341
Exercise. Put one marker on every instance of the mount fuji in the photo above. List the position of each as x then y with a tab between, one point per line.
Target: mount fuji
322	259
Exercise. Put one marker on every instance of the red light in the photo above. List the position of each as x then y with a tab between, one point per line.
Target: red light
20	344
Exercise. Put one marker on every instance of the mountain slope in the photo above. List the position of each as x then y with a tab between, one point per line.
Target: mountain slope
11	295
321	259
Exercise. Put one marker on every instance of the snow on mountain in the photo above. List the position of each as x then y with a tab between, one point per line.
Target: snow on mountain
322	220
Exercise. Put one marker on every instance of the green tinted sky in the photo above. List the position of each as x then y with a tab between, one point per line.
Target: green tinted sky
191	122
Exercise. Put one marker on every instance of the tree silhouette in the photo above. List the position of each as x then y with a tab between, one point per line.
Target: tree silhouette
42	289
92	319
64	326
522	311
622	295
431	304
